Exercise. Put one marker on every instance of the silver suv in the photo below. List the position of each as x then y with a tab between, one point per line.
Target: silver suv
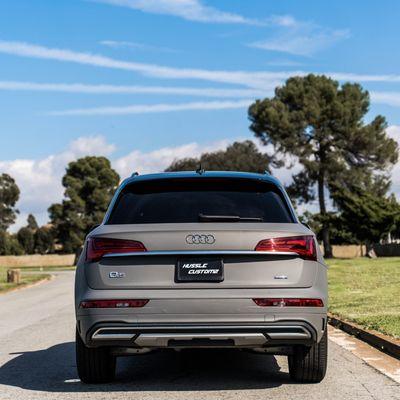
199	260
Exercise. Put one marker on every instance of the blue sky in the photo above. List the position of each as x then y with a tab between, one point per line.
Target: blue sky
145	81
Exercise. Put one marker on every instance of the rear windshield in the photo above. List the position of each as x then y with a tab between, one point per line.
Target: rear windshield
199	200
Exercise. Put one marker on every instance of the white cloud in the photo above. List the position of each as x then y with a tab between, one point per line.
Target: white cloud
389	98
159	160
91	145
260	80
155	108
381	97
120	44
300	38
128	89
191	10
393	132
283	20
302	41
348	76
284	63
40	180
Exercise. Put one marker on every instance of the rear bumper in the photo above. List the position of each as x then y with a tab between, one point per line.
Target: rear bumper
227	316
200	335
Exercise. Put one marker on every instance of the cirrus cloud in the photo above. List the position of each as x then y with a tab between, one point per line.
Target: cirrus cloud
132	89
302	44
154	108
260	80
191	10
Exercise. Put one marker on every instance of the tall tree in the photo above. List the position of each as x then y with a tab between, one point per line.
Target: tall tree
32	224
322	124
89	185
368	214
44	240
26	239
239	156
341	232
9	195
26	235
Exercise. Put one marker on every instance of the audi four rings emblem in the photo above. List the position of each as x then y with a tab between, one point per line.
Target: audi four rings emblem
200	239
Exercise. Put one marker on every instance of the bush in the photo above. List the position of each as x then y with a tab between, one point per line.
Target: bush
44	241
9	245
26	239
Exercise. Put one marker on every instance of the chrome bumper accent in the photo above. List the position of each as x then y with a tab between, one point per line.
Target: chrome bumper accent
288	332
117	333
201	336
200	339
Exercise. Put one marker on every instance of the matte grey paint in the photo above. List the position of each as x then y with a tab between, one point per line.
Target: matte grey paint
247	275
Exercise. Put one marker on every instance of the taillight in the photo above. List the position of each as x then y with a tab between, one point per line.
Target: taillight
97	247
279	302
303	246
113	303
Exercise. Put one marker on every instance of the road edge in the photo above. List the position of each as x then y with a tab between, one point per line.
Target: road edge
382	342
23	286
371	356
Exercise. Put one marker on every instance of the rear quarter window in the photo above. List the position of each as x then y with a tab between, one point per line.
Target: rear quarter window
183	200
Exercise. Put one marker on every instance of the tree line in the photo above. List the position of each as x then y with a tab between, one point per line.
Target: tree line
31	238
312	121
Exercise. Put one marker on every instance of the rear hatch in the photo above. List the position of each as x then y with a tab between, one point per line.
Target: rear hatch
169	246
199	232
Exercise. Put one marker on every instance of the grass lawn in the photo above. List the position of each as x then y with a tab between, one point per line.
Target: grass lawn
366	291
28	275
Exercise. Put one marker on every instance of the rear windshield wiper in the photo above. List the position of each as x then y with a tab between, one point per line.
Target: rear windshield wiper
227	218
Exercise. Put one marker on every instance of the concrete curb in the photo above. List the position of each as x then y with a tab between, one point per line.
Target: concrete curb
378	340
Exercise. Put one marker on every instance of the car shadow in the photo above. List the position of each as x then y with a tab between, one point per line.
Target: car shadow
54	370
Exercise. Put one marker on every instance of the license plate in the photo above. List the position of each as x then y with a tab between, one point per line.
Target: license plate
199	271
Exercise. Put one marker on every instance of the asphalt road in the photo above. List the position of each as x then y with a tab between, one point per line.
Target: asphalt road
37	361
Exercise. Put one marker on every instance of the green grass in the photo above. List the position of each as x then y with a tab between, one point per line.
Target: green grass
28	275
366	291
49	268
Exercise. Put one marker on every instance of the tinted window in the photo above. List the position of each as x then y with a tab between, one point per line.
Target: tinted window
173	200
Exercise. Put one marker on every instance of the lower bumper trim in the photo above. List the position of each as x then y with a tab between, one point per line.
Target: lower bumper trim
200	339
201	335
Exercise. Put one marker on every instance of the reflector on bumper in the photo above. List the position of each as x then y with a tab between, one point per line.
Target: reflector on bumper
113	303
279	302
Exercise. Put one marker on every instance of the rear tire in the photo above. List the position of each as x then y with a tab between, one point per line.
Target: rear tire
95	365
308	364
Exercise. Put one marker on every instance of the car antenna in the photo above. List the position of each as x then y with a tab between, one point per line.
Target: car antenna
135	174
200	170
266	172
